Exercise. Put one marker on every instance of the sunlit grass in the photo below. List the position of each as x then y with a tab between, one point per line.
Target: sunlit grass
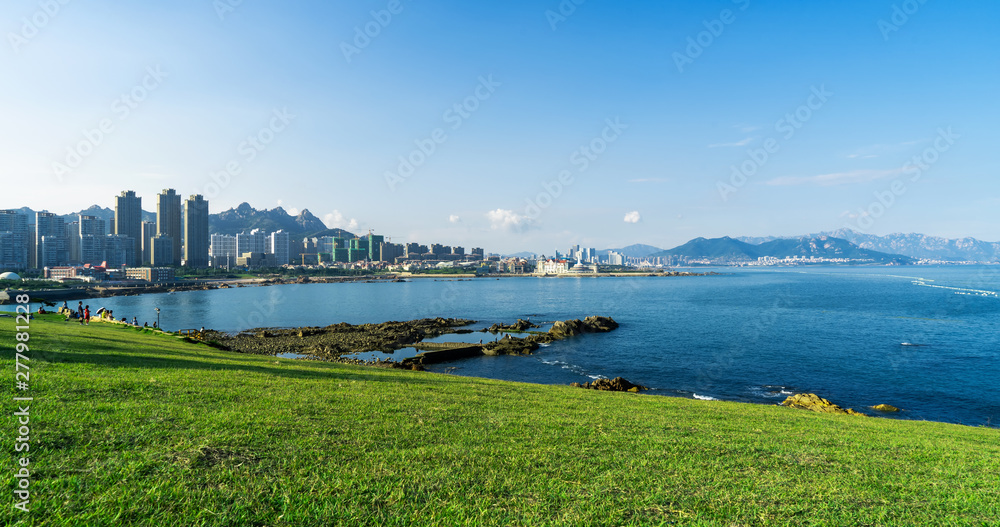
135	428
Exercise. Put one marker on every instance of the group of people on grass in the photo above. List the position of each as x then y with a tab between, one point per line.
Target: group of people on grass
82	313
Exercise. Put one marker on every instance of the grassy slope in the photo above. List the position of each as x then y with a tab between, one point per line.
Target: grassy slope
134	428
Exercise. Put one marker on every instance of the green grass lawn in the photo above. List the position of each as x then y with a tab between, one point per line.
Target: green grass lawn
134	428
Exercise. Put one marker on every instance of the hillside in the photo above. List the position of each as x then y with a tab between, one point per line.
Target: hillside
636	250
134	428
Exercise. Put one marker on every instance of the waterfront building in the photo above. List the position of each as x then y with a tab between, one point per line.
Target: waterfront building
550	266
153	274
14	237
161	251
196	237
148	233
256	260
253	242
128	222
280	245
390	251
168	220
119	250
51	249
71	233
478	253
93	233
375	242
222	251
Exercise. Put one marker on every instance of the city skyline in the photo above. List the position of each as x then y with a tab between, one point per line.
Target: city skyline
518	126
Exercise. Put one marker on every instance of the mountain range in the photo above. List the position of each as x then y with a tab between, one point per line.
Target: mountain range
913	245
734	250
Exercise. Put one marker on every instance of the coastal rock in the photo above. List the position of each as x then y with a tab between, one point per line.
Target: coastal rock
520	325
815	403
570	328
618	384
885	408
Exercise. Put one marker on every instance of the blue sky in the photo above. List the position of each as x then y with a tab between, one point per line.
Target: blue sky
603	123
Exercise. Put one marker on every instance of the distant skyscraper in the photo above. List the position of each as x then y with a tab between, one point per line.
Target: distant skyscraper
72	236
148	233
92	239
50	242
128	222
119	250
196	238
168	219
161	251
14	240
279	245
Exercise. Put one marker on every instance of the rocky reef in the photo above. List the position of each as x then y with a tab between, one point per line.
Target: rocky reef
337	339
815	403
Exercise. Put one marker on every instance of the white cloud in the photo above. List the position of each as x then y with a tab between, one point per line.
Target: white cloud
454	218
836	178
743	142
293	211
508	220
633	217
336	220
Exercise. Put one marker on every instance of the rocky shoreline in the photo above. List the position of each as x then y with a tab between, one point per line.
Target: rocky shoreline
337	341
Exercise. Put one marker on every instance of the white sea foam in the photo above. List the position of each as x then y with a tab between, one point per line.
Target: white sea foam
958	290
704	398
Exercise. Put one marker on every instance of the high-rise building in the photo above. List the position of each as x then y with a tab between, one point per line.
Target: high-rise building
119	250
50	243
14	239
391	251
254	241
458	250
92	239
279	245
375	242
168	220
71	233
161	251
478	253
196	237
148	233
128	222
222	251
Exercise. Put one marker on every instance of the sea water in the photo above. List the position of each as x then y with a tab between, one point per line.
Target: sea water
924	339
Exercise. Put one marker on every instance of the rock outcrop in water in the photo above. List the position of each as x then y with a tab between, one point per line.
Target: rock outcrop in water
570	328
885	408
520	325
815	403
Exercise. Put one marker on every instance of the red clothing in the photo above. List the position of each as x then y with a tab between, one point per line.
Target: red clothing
86	315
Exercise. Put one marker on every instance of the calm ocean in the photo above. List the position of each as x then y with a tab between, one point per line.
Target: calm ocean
924	339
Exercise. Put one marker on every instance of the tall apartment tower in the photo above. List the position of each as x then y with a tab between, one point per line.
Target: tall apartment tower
128	222
13	240
168	219
196	238
279	244
92	240
148	233
50	240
